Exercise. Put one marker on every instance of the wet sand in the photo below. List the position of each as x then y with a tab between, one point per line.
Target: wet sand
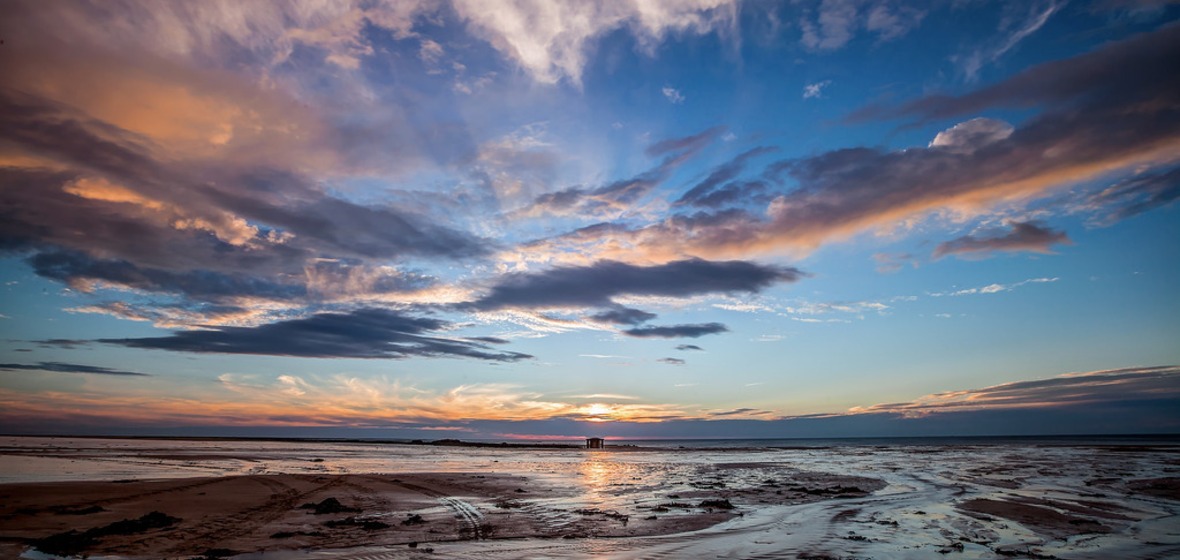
253	513
270	502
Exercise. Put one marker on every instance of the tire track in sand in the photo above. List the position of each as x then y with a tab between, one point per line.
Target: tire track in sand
470	519
283	499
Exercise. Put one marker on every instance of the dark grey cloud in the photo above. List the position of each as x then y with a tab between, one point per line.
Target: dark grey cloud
688	347
740	412
671	361
1124	73
623	316
339	227
754	192
63	367
72	267
1136	195
364	333
1021	236
594	285
704	193
488	339
1127	384
677	331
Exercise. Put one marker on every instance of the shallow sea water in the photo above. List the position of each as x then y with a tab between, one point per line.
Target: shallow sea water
916	514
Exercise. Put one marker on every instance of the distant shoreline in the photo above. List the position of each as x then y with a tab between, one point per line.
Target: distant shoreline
1163	440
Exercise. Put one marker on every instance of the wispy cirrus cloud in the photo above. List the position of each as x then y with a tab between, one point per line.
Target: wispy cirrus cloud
1014	28
994	288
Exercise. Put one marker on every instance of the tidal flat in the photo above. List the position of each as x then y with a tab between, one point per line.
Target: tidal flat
284	500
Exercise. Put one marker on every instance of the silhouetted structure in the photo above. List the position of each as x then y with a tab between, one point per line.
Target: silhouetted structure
595	443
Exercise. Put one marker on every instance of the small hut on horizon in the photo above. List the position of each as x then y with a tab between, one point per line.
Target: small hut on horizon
595	443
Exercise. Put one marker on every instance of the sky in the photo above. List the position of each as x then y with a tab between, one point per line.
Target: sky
631	218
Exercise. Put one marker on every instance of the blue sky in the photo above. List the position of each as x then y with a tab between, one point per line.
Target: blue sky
557	219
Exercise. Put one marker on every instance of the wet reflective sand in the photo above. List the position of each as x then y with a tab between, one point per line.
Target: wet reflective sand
937	501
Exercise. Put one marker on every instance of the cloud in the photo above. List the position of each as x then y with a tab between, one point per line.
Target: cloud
617	196
834	25
606	396
594	285
677	331
671	361
836	22
705	193
61	367
1135	195
820	308
621	196
1013	30
814	90
889	263
83	273
203	230
1119	75
688	347
216	81
994	288
1065	390
966	137
364	333
1107	112
674	96
890	23
551	41
1022	236
623	316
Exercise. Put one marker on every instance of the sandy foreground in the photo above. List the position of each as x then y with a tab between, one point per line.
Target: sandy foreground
859	502
238	514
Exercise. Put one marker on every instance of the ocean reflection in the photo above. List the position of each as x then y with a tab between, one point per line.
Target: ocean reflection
596	476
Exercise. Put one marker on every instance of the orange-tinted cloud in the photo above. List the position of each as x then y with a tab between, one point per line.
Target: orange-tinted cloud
1107	112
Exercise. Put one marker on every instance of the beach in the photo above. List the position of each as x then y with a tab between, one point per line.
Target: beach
279	500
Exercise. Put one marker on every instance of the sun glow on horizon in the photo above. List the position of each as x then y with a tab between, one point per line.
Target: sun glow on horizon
599	412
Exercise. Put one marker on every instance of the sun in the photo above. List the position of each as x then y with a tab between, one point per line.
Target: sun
598	412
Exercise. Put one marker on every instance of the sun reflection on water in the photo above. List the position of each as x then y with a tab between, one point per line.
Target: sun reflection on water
596	476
